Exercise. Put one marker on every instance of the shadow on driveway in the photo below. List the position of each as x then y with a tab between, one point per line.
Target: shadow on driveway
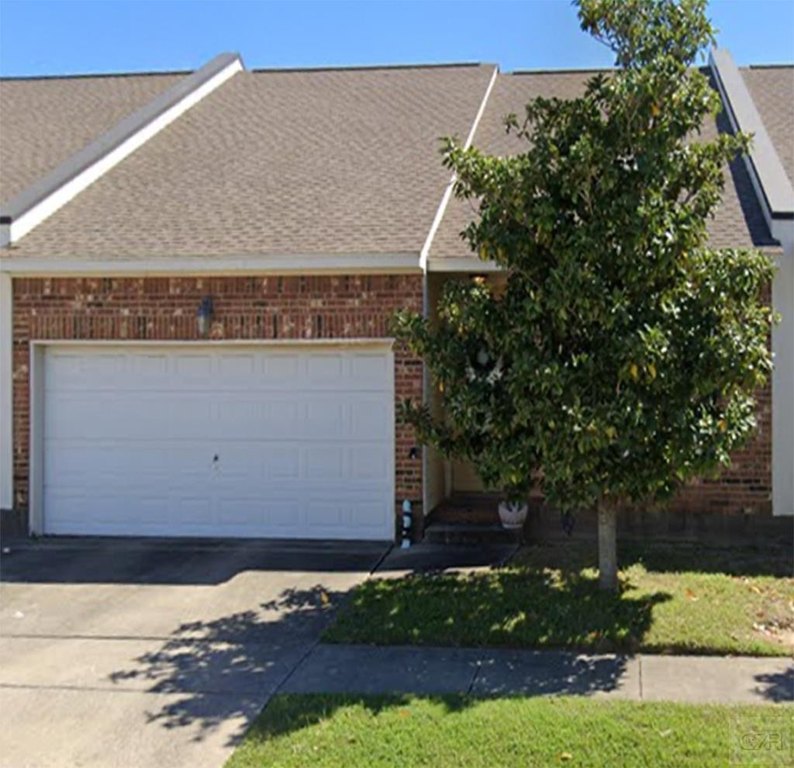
176	561
219	667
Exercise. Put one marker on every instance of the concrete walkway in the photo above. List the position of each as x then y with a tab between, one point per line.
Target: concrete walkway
696	679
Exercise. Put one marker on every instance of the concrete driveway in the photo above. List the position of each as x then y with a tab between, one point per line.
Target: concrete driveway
155	653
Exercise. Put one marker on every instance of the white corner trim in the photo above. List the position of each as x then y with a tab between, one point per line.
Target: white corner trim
783	374
442	206
63	194
6	393
275	264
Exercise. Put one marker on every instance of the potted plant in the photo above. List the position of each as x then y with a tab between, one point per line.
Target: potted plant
513	513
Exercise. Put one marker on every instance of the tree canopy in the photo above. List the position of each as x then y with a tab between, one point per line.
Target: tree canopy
622	353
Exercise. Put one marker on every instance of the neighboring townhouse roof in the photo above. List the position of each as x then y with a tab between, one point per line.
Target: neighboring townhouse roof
739	222
44	121
279	162
772	89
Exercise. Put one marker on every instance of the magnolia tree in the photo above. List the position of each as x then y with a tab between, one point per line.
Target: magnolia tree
621	355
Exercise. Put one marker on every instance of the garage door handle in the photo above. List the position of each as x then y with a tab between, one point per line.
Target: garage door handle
215	458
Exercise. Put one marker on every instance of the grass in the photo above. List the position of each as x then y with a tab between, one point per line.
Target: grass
348	731
673	599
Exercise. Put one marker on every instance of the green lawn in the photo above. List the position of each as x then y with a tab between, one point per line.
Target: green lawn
454	731
682	599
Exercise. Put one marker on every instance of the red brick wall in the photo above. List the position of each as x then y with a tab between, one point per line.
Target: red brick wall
744	486
133	309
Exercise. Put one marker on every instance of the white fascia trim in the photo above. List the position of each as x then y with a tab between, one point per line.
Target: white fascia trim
445	198
463	264
339	264
772	186
20	226
6	393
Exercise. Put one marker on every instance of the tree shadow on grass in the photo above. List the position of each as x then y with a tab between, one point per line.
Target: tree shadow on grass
289	713
518	608
666	557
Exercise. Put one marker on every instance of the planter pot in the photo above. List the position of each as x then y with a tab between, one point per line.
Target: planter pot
513	514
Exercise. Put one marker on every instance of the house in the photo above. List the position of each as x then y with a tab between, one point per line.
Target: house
198	272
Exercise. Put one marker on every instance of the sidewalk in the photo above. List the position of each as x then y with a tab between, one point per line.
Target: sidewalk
484	672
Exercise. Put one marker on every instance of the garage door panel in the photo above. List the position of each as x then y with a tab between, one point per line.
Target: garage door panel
303	439
181	416
235	371
116	415
280	369
242	419
67	370
193	371
368	368
372	514
368	417
325	371
285	515
148	370
77	464
327	515
282	462
325	418
325	462
188	510
107	512
370	462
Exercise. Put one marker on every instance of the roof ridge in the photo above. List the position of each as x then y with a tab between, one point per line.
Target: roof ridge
780	65
560	71
96	75
367	67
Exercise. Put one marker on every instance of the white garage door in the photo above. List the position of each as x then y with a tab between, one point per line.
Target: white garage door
278	441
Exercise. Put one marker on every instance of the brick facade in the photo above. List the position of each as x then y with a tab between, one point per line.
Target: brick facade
256	307
746	485
311	307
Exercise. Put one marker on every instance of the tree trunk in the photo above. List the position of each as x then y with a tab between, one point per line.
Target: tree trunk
607	547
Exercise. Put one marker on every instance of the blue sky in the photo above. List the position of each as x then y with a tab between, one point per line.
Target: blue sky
116	35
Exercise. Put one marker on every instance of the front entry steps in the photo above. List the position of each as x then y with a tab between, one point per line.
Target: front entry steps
469	533
468	519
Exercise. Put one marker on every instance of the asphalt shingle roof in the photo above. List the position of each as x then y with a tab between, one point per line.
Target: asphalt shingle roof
44	121
739	222
302	162
772	90
280	162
